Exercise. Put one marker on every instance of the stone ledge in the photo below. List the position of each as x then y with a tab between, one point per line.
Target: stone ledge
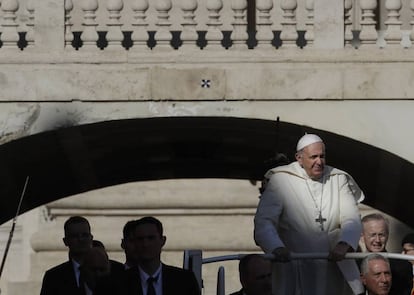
368	54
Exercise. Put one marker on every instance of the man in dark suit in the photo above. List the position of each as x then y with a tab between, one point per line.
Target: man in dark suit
128	244
375	233
63	279
95	269
116	266
255	274
151	276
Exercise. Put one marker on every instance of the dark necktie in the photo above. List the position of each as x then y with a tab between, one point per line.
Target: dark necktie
150	285
82	290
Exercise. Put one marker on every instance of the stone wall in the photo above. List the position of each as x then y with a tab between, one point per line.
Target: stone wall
213	215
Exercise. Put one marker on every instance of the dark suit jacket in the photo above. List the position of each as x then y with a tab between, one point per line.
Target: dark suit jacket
402	277
116	266
60	280
174	281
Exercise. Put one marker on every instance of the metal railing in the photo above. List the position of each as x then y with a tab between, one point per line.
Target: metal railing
140	25
193	260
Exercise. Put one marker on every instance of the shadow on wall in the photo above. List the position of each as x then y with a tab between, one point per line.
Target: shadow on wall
77	159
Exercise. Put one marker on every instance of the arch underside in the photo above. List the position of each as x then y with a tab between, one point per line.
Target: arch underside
77	159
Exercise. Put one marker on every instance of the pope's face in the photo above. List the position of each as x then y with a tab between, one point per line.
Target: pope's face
375	235
378	278
312	159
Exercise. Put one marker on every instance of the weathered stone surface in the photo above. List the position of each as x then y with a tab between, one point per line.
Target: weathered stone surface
366	95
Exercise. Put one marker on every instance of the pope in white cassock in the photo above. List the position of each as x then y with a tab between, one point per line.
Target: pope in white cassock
308	207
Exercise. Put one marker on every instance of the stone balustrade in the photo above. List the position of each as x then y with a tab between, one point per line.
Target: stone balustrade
140	25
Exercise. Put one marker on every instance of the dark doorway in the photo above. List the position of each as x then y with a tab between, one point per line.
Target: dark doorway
72	160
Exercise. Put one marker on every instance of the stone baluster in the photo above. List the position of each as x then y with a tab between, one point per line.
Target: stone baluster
289	33
310	33
393	33
68	24
239	35
89	35
9	35
139	36
189	34
114	36
30	24
348	23
264	34
163	35
368	34
214	35
412	22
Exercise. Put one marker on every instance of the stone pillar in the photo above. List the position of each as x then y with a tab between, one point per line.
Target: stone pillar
289	34
68	24
393	33
163	35
89	35
114	36
49	28
214	36
189	34
264	34
9	35
140	35
329	24
239	35
368	34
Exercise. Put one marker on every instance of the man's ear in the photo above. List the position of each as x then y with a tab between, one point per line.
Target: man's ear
298	157
123	244
362	278
164	239
65	241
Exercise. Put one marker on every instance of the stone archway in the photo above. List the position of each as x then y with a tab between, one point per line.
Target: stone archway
164	163
77	159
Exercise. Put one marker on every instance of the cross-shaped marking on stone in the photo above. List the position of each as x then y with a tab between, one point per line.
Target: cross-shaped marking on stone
205	83
321	220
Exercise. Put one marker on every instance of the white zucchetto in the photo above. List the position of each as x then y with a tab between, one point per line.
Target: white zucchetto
306	140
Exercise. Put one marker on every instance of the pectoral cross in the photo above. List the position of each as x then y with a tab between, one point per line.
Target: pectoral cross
321	220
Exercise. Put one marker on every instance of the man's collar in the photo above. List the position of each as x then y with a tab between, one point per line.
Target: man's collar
144	276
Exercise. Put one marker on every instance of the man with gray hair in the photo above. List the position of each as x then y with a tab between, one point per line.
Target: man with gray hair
376	274
308	207
375	233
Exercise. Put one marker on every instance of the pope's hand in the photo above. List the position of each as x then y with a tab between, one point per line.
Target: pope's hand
338	253
281	254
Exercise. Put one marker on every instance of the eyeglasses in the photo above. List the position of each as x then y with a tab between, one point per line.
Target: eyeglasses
379	235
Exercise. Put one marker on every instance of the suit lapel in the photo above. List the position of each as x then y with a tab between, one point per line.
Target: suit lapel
166	280
70	279
134	282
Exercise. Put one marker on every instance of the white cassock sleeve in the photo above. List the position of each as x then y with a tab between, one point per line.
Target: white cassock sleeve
266	219
350	218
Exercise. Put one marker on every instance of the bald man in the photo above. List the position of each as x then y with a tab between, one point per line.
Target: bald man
255	275
95	269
